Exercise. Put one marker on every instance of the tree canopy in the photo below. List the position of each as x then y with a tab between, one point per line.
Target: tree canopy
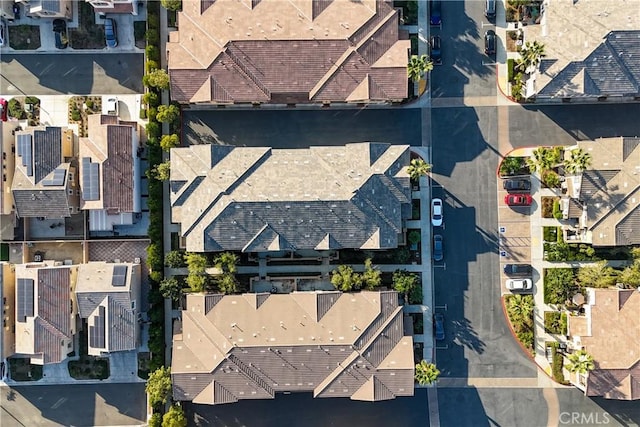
159	386
171	288
581	362
345	279
169	141
156	78
418	66
598	276
418	168
168	114
174	417
426	373
171	4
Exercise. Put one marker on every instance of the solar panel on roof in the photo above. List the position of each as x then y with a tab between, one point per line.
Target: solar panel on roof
119	275
25	299
90	179
96	332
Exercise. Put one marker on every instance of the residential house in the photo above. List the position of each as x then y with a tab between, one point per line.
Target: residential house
611	71
610	332
287	52
45	180
47	8
110	172
7	296
604	200
253	346
45	311
115	6
7	215
108	296
229	198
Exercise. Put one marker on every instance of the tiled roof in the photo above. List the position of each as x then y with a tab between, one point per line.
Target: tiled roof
610	189
295	51
293	342
111	144
614	343
260	199
38	158
613	68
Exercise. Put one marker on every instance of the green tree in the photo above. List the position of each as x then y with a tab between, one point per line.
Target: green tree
578	161
162	171
169	141
156	78
559	284
635	253
227	283
197	282
345	279
630	276
196	263
580	362
174	259
404	282
418	168
151	98
418	66
227	262
532	53
371	278
171	4
168	113
155	420
171	288
541	160
510	165
159	386
15	109
551	179
598	276
174	417
152	128
426	373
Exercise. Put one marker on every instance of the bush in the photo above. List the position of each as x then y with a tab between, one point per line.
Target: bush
550	234
151	65
89	104
555	322
559	285
414	237
76	116
15	109
557	364
557	213
151	98
152	36
510	63
153	129
143	113
32	100
174	259
152	53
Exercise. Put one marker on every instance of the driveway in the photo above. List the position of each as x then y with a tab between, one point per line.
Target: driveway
73	405
302	128
71	73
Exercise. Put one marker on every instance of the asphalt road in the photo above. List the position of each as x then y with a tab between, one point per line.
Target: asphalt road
71	73
73	405
302	128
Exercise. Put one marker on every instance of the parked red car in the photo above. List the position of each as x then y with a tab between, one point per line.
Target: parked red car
518	199
3	109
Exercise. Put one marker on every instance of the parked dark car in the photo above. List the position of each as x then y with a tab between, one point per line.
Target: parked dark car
490	9
490	42
435	10
438	326
518	200
436	53
517	185
517	269
110	32
438	248
60	33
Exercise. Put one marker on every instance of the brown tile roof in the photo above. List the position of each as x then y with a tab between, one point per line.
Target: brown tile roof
287	52
257	345
614	342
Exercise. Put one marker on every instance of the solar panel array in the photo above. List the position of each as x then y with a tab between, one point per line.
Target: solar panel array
25	299
25	150
119	275
90	179
96	332
56	180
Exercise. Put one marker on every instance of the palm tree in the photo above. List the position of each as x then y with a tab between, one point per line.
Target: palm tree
531	54
520	307
418	66
540	160
426	373
580	362
579	161
418	168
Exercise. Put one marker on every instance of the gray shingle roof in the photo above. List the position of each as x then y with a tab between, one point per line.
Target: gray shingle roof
613	68
262	199
53	320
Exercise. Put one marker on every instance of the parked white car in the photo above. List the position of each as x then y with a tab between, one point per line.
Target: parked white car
519	284
436	212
